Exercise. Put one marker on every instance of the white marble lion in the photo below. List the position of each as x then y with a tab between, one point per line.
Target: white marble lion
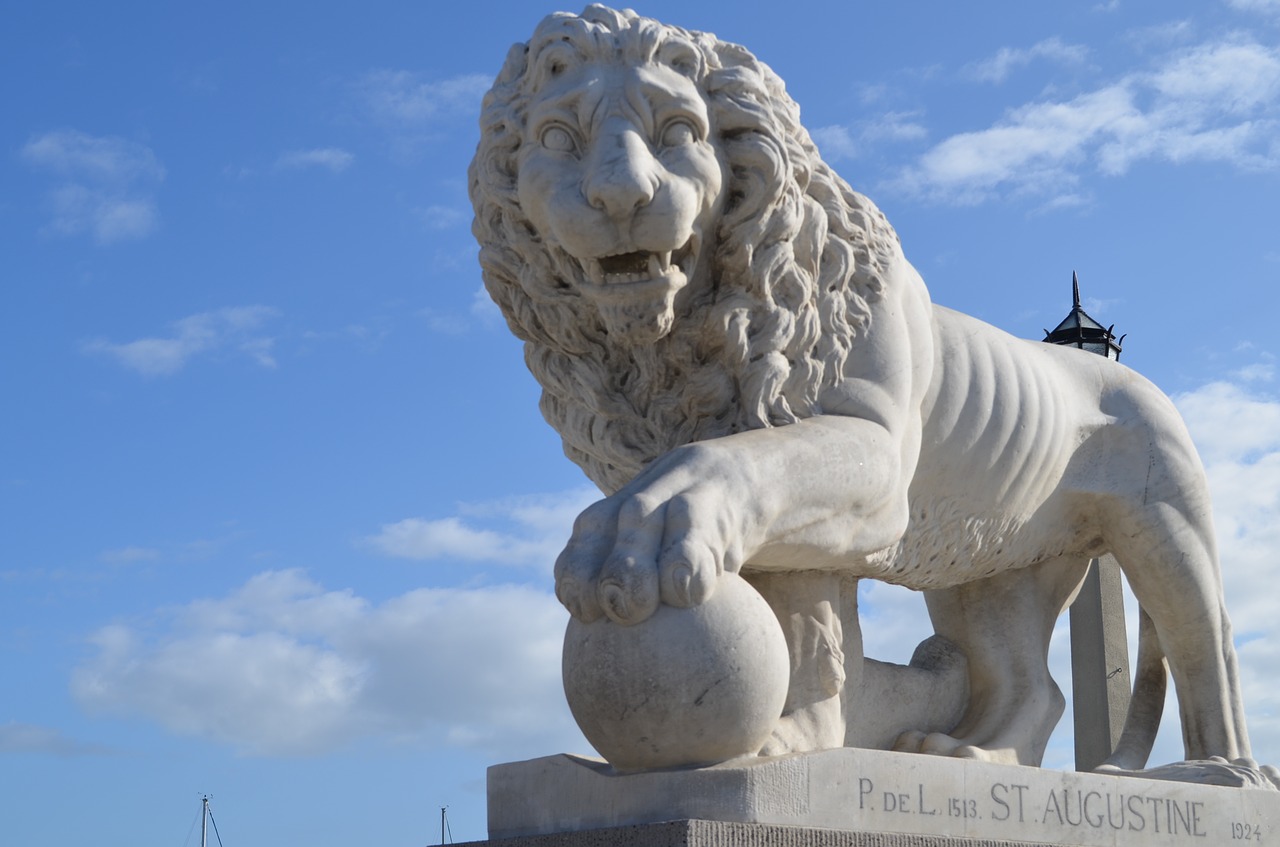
733	347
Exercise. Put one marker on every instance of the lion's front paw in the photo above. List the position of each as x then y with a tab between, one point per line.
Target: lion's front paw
665	539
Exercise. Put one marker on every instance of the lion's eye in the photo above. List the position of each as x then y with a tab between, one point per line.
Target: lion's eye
678	133
559	139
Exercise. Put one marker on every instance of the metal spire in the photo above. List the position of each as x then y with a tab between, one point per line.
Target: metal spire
1080	330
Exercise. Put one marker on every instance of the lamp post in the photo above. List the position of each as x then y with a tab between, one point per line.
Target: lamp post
1099	646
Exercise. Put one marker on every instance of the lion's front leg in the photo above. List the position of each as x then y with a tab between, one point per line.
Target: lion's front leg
818	612
818	494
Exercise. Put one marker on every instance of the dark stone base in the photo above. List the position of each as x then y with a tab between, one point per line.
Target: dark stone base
695	833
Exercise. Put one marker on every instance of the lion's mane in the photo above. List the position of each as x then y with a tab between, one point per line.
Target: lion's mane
798	258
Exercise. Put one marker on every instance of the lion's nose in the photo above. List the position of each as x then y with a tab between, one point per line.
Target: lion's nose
622	179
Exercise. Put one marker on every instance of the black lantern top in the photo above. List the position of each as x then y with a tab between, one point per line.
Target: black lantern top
1079	330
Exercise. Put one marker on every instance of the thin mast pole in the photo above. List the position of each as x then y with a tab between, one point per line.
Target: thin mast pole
204	821
442	808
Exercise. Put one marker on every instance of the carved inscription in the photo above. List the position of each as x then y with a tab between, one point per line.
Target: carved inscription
1246	832
1052	809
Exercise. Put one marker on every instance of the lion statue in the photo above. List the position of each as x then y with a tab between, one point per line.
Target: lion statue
733	347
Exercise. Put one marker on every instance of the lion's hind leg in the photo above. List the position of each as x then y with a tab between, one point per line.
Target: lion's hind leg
1152	508
1166	550
1003	625
1130	756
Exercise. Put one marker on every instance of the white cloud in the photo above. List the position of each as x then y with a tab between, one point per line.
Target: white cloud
31	738
894	620
869	93
445	323
1062	201
484	309
836	142
1033	149
106	185
1257	372
207	333
129	555
103	159
1007	59
1236	78
414	110
282	666
443	217
525	531
1216	102
1230	424
1266	7
107	216
893	126
847	142
412	101
1101	305
331	158
1162	35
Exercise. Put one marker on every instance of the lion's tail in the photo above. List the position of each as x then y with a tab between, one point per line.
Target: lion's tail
1147	704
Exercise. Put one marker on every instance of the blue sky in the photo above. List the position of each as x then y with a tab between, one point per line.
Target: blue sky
279	508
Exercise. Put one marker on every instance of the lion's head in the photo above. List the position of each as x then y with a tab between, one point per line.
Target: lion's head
659	229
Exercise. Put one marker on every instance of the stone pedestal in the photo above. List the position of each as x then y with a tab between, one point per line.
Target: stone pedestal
863	797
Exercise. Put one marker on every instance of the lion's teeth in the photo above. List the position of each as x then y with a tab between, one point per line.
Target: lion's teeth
656	266
614	278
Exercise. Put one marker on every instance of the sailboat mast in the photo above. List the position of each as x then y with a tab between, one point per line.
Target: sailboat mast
204	821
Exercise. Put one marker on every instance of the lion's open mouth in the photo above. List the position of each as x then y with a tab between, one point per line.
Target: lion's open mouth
629	267
633	264
624	273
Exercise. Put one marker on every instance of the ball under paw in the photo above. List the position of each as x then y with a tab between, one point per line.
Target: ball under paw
690	686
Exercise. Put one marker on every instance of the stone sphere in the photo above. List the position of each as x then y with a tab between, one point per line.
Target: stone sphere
686	687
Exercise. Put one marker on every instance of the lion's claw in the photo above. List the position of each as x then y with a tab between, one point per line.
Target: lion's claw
615	601
679	579
581	604
628	591
580	599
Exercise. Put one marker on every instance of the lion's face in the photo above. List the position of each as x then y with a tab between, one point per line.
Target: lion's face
660	231
619	168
